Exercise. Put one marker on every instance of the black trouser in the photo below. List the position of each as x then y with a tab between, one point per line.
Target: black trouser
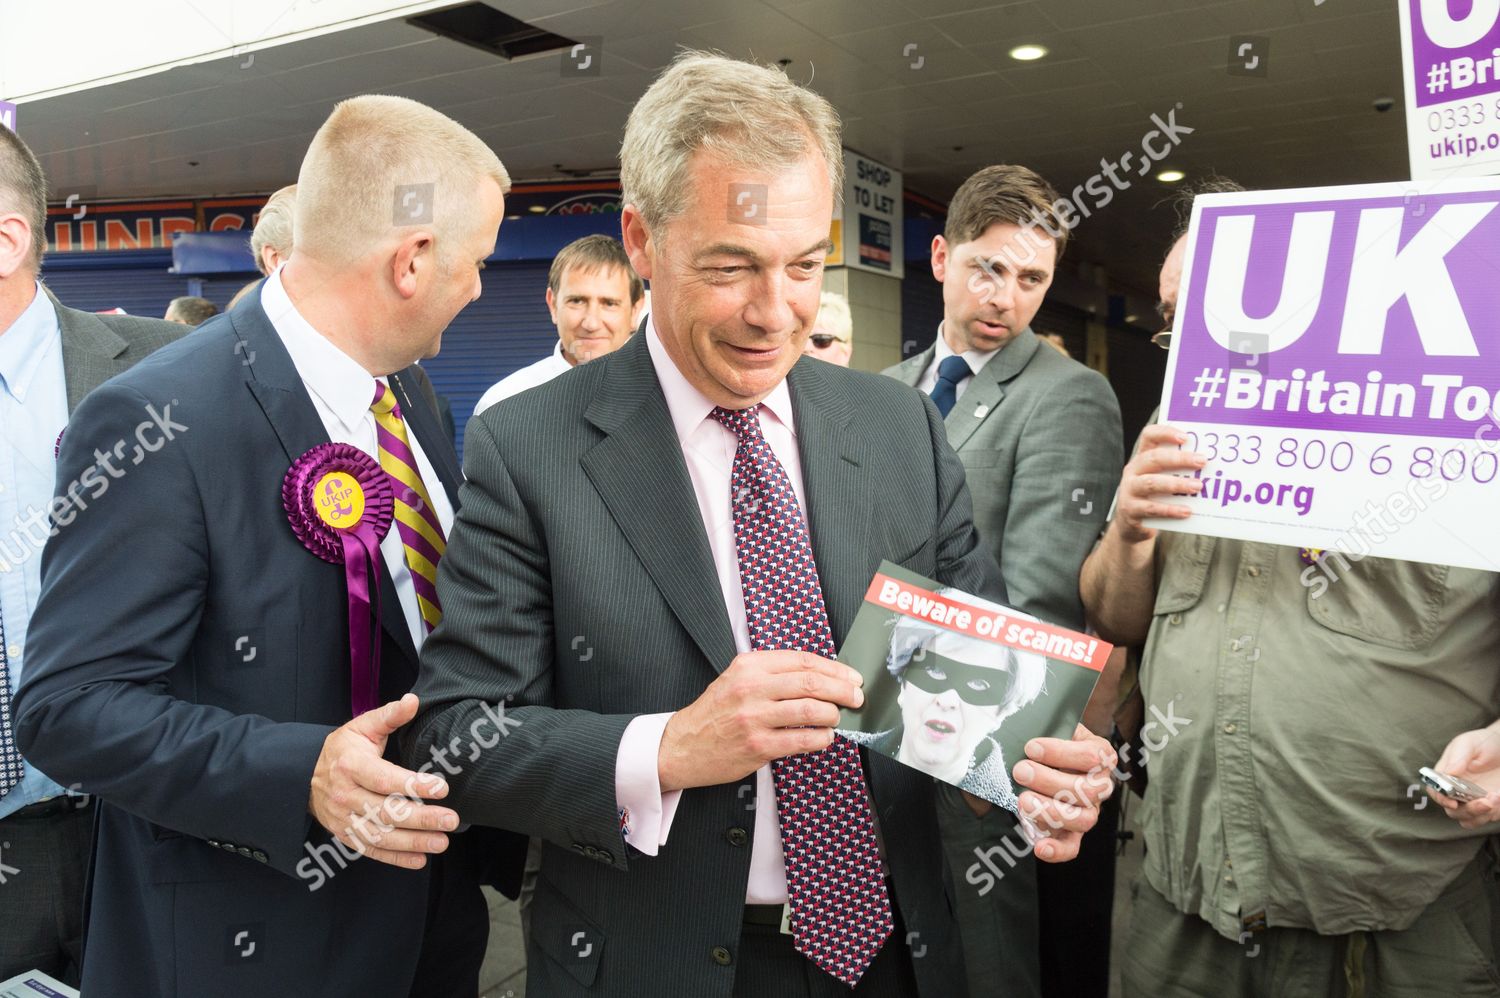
44	860
1076	903
995	893
458	924
767	965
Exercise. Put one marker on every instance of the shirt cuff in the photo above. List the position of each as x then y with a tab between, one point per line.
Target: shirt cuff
645	812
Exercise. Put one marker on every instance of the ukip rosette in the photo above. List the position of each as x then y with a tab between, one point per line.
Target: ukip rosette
340	505
955	685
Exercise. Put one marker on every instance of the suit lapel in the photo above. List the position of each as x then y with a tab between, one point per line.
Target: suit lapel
639	472
836	475
983	395
272	379
90	351
987	389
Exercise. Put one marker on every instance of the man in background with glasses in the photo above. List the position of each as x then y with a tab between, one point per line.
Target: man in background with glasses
832	338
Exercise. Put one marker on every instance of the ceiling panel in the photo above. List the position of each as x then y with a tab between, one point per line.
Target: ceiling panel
927	85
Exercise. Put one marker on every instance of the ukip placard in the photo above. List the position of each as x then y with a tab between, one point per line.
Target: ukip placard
1336	357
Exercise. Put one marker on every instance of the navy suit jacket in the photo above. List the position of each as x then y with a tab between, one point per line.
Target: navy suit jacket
187	660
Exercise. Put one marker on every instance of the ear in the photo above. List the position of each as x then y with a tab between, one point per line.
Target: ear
15	244
940	259
639	245
415	254
552	305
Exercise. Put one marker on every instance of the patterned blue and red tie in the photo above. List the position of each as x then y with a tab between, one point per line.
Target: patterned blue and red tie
841	914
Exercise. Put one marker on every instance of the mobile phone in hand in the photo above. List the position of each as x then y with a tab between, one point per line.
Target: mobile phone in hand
1455	787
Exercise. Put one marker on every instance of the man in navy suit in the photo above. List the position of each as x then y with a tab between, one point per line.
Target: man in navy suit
191	658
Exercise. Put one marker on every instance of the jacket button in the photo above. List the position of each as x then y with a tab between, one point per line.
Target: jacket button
213	842
737	836
243	851
590	852
261	857
721	956
606	856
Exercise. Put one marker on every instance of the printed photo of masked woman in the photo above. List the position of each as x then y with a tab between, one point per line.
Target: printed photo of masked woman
952	694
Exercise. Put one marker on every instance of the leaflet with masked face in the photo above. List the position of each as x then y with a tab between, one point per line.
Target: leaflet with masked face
955	685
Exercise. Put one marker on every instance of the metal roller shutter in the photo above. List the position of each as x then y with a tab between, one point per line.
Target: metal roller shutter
506	329
1068	322
138	282
921	309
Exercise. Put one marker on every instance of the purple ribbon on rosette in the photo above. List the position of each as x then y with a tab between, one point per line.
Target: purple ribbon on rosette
340	504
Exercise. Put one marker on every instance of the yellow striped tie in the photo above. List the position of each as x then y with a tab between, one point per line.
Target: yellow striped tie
416	518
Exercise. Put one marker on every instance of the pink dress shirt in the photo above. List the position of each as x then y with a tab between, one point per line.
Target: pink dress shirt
708	448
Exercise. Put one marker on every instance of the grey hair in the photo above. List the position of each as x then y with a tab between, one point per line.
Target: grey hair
751	115
834	314
274	226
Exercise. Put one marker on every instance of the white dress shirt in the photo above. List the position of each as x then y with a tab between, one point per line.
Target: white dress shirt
708	448
976	358
529	376
342	391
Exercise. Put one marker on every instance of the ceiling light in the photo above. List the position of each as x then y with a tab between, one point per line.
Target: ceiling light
1028	53
1170	176
537	209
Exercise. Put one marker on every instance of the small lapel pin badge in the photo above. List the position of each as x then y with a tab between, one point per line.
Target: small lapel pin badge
981	412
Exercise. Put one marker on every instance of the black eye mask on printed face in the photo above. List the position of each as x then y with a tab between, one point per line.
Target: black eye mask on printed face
979	685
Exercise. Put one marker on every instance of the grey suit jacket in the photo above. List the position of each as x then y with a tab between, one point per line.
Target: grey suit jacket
95	348
1040	440
579	591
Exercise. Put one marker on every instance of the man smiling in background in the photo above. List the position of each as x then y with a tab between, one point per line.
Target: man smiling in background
595	298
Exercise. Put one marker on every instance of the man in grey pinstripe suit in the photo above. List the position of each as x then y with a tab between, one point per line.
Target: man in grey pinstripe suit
597	584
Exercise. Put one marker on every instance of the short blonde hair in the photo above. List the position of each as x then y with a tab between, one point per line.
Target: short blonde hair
380	162
834	315
274	226
751	115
